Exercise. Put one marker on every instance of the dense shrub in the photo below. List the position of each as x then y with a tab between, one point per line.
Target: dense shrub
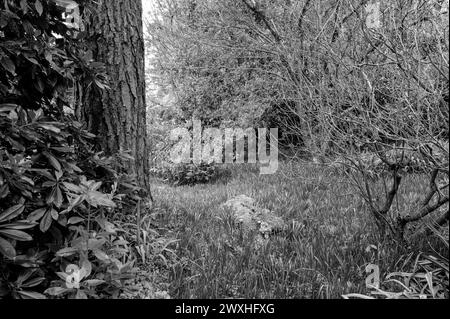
190	174
283	115
56	195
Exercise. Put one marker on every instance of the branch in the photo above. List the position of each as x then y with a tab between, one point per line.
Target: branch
344	20
380	215
284	61
442	219
427	231
392	193
302	15
433	188
258	13
425	211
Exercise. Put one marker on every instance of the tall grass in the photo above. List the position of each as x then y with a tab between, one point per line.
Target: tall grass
323	253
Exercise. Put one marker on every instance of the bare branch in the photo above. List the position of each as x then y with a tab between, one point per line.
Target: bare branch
426	210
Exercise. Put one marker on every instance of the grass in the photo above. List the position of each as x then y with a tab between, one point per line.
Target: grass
323	253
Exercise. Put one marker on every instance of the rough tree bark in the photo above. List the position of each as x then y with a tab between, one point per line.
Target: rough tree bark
118	115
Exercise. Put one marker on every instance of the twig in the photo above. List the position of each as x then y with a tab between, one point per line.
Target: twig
138	222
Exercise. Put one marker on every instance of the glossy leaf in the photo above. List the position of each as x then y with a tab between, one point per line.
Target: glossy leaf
7	249
15	234
46	221
12	212
31	295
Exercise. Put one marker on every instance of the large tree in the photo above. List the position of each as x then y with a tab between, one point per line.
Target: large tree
117	115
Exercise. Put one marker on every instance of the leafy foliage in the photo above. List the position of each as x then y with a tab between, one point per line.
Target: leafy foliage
190	174
420	276
57	196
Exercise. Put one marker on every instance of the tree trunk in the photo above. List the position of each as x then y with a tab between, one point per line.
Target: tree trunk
118	115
